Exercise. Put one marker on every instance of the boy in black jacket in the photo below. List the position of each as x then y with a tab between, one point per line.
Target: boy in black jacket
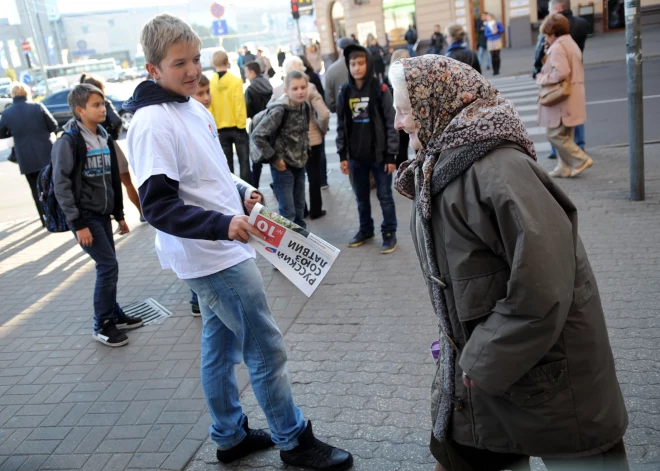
368	143
257	96
88	189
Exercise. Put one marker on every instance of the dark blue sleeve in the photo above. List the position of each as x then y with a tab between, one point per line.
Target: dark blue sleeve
165	210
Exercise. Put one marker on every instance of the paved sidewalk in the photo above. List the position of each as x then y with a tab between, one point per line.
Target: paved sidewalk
599	49
358	348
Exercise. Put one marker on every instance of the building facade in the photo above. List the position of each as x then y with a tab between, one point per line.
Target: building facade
388	20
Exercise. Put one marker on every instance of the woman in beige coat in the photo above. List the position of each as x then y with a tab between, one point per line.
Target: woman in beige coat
318	127
564	62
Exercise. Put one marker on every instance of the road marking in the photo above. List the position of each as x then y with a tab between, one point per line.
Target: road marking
619	100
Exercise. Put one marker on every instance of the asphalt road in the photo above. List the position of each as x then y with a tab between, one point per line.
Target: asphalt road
607	124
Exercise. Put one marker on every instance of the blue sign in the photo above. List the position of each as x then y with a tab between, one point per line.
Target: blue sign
27	79
289	24
83	52
82	44
220	28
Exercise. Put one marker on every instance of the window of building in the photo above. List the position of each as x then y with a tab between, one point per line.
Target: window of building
85	29
398	14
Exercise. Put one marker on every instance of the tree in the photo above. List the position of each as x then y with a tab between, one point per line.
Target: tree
204	33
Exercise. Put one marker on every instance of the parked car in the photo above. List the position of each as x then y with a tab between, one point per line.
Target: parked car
55	84
5	97
57	104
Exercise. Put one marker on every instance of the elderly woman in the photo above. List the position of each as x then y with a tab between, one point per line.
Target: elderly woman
318	127
404	140
30	124
526	365
563	63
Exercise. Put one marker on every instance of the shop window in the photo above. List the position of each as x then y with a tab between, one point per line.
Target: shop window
398	14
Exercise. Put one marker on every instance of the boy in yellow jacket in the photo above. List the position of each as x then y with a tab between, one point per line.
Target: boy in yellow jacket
230	114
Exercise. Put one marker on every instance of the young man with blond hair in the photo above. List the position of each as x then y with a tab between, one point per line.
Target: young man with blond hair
188	195
230	114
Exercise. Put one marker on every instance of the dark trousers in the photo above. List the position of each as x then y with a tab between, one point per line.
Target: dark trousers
456	457
313	168
256	174
32	181
102	252
230	137
362	189
495	57
404	141
324	166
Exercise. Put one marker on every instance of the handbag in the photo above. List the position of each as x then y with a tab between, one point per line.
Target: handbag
550	95
495	44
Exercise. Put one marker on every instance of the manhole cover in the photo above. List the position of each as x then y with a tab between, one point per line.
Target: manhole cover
149	310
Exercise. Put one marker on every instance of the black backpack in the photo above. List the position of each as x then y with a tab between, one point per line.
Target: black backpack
255	155
55	219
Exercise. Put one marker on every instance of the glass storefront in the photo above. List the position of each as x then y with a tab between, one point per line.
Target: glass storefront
398	14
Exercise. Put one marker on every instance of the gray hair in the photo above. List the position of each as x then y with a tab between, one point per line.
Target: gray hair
19	89
80	94
292	63
398	77
161	32
399	54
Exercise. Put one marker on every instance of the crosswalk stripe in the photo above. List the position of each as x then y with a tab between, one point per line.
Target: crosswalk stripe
517	88
511	96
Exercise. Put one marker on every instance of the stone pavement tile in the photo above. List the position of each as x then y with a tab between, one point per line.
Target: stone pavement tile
65	462
147	460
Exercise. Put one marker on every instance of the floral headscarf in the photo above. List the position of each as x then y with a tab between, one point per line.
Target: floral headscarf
454	106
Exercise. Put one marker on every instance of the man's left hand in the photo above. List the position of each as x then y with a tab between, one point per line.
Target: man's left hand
254	199
390	168
123	228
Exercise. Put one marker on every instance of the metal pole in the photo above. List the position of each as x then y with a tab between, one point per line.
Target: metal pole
635	103
299	35
34	35
41	30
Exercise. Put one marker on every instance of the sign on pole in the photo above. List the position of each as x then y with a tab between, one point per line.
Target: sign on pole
220	28
217	10
25	46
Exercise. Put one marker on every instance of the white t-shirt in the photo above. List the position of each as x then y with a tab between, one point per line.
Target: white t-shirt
180	141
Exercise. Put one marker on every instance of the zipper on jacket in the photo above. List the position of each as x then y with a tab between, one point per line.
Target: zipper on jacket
105	187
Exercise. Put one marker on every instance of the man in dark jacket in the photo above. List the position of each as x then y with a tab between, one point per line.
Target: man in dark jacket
437	41
336	75
411	39
368	144
579	29
257	96
30	124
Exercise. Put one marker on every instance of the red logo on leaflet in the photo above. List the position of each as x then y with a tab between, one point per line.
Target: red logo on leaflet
274	232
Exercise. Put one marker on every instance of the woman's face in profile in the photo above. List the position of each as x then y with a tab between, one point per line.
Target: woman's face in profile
404	120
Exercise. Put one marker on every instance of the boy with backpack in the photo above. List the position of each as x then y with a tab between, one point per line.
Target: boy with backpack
189	196
85	176
280	137
368	143
257	96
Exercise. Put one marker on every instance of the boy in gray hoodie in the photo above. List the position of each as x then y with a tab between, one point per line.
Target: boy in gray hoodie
88	189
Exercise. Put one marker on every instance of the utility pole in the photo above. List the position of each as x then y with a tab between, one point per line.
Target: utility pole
300	42
635	98
34	35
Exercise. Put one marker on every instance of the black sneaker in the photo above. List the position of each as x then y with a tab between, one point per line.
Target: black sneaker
319	215
389	243
254	441
360	238
552	156
125	322
110	335
312	453
196	312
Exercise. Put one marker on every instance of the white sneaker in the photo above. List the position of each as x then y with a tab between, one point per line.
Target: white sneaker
560	173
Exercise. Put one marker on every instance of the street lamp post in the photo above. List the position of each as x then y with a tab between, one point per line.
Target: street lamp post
34	35
635	103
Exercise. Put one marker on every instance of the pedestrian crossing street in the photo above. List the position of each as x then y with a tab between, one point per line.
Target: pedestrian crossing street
522	91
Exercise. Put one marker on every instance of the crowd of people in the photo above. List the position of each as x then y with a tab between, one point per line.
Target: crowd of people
523	338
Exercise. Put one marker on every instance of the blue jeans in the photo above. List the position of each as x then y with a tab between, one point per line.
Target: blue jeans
362	189
411	50
579	139
483	51
102	252
238	325
193	297
289	187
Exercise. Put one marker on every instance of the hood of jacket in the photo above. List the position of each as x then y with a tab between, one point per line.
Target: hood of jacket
284	102
150	93
73	126
262	86
370	64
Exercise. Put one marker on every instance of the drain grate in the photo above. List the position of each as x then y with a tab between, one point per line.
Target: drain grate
149	310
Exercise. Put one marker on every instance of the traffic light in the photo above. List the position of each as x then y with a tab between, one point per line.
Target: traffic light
294	9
